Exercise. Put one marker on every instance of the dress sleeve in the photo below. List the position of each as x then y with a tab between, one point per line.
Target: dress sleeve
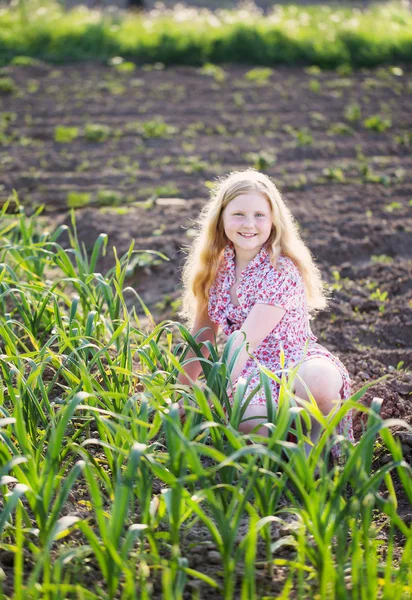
282	287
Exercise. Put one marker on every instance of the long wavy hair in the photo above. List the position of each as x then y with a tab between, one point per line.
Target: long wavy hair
206	251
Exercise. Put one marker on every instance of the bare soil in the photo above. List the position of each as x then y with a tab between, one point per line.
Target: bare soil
349	186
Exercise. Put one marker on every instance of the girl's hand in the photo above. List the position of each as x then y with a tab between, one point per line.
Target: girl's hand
181	402
182	410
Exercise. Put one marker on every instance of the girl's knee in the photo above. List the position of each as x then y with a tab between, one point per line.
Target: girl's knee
321	377
254	415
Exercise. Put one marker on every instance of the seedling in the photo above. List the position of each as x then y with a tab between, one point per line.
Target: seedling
166	191
405	139
65	135
7	85
382	258
340	129
353	112
395	205
157	128
303	135
109	197
96	132
377	123
380	297
334	174
314	86
261	160
211	70
259	75
78	199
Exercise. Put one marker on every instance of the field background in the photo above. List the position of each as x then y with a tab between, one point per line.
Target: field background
134	149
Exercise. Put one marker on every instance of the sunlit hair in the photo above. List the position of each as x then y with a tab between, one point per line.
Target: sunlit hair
206	251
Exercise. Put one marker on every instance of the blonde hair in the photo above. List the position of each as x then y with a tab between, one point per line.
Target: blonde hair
206	251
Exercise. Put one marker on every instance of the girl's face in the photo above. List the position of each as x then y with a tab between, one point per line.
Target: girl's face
249	213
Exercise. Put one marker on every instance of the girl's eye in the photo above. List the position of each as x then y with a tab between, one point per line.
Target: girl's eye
258	214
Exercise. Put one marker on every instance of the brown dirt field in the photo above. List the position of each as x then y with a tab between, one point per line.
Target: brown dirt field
349	187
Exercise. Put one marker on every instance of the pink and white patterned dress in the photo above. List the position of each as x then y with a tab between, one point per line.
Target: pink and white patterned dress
282	286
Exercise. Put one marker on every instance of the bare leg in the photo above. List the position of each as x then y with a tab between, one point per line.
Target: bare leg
324	382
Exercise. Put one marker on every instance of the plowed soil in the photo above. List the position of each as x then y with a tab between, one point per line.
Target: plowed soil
347	180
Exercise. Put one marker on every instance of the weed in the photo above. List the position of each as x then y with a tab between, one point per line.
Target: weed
380	297
344	70
159	230
167	191
259	75
377	123
303	135
64	134
313	70
314	86
369	176
121	65
156	128
334	174
395	205
78	199
193	164
353	112
262	160
340	129
382	258
238	99
97	132
109	198
405	139
7	85
211	70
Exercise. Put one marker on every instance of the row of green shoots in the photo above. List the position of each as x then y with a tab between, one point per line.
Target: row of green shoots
102	484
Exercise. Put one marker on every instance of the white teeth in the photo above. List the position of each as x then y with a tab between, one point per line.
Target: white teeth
247	234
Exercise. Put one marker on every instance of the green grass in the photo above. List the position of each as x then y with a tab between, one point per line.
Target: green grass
324	36
88	401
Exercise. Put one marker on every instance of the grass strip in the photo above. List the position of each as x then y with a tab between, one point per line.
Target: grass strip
289	35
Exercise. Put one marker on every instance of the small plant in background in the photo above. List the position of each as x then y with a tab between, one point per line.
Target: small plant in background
259	75
7	85
64	134
238	99
314	86
393	206
109	198
303	135
193	164
78	199
334	174
380	297
405	139
121	65
97	132
262	160
382	258
353	112
377	123
156	128
370	176
340	129
211	70
165	191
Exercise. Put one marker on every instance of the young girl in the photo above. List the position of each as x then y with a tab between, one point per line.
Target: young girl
249	270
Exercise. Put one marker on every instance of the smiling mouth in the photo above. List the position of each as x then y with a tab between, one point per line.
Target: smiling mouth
247	235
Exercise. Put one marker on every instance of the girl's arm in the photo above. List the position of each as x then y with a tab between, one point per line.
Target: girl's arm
260	322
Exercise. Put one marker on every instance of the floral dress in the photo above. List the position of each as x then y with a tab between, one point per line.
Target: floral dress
282	286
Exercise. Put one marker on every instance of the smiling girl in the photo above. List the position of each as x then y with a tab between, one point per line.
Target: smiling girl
248	270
